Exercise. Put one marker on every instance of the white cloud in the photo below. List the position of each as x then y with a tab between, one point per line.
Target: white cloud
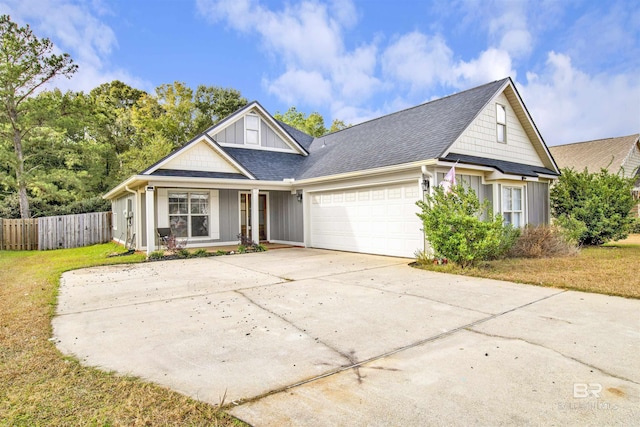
491	64
418	60
299	85
76	29
570	105
307	38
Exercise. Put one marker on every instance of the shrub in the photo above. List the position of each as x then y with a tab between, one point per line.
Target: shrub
183	253
454	226
155	255
199	253
594	207
541	242
634	228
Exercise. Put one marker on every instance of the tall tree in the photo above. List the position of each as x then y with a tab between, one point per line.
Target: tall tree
313	124
26	64
214	103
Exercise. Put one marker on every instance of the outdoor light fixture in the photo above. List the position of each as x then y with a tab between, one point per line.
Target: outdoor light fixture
299	196
425	184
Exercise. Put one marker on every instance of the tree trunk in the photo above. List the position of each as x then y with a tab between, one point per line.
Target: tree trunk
20	178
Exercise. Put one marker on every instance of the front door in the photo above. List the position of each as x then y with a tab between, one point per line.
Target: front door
245	215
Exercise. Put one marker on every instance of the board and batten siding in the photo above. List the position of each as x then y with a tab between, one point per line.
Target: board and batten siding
232	134
285	217
538	210
480	138
119	220
229	215
483	191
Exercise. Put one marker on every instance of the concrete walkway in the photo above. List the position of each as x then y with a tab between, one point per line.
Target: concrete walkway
312	337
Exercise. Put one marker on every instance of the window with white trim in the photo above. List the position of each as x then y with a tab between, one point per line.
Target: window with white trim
513	206
189	214
501	123
252	129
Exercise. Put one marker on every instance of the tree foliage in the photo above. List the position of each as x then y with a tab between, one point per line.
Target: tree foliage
313	124
596	207
26	64
463	230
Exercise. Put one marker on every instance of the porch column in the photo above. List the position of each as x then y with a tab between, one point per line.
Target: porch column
255	215
151	220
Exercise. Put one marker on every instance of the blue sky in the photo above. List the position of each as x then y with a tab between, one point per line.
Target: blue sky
575	63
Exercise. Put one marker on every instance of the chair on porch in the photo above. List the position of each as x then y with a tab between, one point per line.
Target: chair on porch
164	233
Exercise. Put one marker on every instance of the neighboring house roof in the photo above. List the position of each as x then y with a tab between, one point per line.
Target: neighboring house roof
608	153
418	133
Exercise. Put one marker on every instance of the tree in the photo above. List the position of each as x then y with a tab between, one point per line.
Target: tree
313	124
455	228
26	64
595	206
214	103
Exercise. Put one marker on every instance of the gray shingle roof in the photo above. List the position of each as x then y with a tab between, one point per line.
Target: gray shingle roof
501	165
418	133
267	165
301	138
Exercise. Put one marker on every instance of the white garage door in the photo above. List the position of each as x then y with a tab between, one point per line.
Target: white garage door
375	220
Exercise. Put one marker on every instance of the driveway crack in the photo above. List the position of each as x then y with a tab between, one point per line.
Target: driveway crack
357	365
350	357
611	374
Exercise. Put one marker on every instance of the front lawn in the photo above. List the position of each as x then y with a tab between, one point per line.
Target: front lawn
613	269
39	386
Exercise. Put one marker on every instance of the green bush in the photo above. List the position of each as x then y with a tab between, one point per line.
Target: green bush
594	207
456	230
634	228
199	253
183	253
156	255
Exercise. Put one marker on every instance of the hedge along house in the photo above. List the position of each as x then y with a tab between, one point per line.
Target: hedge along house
352	190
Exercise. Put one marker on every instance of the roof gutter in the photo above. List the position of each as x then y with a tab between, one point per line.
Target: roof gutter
367	172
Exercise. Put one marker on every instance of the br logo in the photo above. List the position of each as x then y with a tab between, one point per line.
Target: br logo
582	390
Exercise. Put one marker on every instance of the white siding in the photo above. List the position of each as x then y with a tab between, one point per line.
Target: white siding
200	157
480	138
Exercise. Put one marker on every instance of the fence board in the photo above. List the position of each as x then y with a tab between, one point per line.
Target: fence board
55	232
72	231
19	234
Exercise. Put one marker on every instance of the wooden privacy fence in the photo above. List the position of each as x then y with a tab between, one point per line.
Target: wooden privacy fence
55	232
18	234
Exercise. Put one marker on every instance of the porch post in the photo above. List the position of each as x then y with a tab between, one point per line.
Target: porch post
151	220
255	215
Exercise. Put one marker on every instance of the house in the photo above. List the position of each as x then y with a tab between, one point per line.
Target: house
352	190
617	155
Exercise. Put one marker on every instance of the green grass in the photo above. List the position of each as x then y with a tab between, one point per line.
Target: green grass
613	269
41	387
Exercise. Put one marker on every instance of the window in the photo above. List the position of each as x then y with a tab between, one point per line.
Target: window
501	123
189	214
252	124
512	206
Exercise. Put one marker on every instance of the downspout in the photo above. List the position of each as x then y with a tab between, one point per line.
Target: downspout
426	182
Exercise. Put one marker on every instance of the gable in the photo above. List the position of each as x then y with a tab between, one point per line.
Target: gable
199	157
253	128
480	139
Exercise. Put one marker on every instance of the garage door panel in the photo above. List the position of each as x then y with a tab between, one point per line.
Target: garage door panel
378	220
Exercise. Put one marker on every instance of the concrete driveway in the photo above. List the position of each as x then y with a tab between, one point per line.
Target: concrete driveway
312	337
